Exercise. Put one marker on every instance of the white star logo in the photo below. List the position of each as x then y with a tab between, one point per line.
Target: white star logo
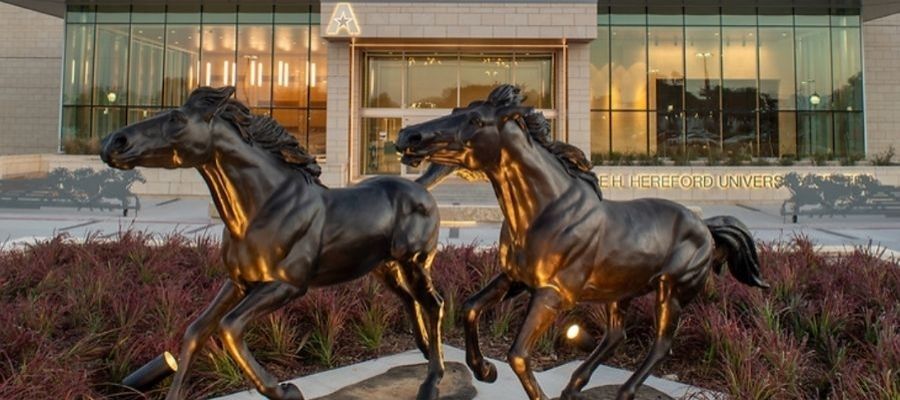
343	21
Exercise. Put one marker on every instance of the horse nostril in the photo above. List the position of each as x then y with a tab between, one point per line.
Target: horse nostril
414	138
119	143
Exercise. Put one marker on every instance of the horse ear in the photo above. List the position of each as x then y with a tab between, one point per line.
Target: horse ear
208	101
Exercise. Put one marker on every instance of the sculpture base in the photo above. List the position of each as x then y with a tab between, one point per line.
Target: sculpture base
403	383
609	392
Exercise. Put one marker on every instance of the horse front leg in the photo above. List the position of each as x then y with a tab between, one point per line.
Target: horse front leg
259	301
615	333
199	332
486	298
545	305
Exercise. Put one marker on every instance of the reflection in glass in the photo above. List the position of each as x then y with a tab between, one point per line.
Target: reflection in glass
431	80
814	135
379	154
739	69
599	133
254	66
668	126
600	69
702	132
137	114
76	130
480	73
316	137
294	121
384	81
848	134
111	73
848	85
777	134
666	71
628	61
739	132
629	132
776	69
182	72
289	67
78	64
534	74
218	69
107	120
703	60
145	81
813	68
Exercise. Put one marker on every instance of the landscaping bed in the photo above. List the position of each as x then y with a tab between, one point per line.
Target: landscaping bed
76	318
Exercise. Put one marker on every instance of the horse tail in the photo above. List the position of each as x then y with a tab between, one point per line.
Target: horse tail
736	247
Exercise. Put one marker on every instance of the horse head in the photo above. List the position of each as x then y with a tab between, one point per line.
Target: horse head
178	138
470	137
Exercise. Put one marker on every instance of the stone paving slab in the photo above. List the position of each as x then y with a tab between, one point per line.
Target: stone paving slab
507	386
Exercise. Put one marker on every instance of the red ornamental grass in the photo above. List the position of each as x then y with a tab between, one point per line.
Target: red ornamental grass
78	317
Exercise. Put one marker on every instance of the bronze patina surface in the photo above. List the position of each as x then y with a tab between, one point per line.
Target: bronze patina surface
285	232
564	244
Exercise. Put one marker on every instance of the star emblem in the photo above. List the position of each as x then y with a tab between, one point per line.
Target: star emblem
343	21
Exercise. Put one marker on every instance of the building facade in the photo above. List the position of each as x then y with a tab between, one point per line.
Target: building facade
683	81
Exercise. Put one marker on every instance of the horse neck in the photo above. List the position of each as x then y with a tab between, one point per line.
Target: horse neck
240	178
526	180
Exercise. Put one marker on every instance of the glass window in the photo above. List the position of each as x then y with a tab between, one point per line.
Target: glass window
699	16
76	130
316	138
600	69
776	16
534	74
599	134
628	61
137	114
80	14
431	80
480	73
739	68
117	14
845	17
602	15
629	131
628	16
384	81
217	55
739	131
294	121
289	72
813	46
219	14
848	134
703	61
776	69
811	17
318	69
668	126
379	154
148	14
107	120
182	73
78	64
665	16
848	83
702	132
292	14
666	68
815	133
255	14
777	134
146	61
183	14
111	73
254	66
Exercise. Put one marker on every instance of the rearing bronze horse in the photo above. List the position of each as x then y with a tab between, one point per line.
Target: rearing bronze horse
565	244
284	231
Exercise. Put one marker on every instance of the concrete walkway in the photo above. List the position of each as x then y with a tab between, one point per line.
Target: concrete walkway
507	386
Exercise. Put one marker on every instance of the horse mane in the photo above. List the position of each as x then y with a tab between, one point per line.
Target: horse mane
573	160
266	133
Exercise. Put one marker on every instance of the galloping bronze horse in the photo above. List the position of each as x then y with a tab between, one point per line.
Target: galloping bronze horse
284	231
565	244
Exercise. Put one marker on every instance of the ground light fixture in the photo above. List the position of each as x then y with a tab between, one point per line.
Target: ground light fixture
579	339
152	373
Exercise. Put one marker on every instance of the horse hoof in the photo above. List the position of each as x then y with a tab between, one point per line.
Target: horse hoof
291	392
487	372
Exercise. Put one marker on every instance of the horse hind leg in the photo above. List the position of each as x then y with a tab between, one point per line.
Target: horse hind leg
615	334
416	271
261	300
393	279
668	311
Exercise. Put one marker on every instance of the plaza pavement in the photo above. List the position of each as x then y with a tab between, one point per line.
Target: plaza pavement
190	216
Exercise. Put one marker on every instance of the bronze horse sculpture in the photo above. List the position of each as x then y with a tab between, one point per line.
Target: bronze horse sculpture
285	232
565	244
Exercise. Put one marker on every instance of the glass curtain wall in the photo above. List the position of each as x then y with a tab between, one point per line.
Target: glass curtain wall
124	64
694	81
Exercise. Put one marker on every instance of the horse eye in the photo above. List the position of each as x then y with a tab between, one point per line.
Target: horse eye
478	122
